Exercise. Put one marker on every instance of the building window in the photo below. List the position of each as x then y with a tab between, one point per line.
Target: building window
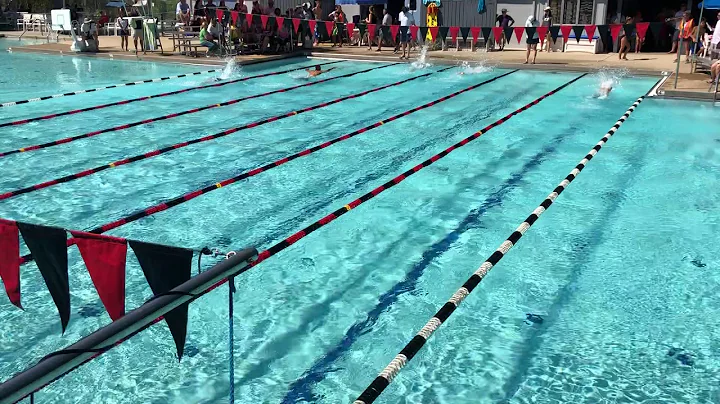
585	15
569	11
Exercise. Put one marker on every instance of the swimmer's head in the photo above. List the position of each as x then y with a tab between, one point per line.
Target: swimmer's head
317	68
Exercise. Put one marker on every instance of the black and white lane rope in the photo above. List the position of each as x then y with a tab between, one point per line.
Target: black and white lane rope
373	391
91	90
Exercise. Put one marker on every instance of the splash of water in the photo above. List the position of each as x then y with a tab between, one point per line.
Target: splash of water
231	69
477	68
421	62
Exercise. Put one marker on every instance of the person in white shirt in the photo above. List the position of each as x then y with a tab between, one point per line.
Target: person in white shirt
90	33
386	23
182	12
123	28
677	20
406	20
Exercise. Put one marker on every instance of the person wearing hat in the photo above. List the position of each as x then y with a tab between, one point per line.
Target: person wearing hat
505	21
547	22
88	29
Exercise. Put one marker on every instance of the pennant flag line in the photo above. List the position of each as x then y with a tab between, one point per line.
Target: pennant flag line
454	31
508	33
414	32
578	31
603	31
394	31
497	33
590	31
554	32
434	32
566	29
9	262
642	28
486	31
542	32
519	33
615	31
464	32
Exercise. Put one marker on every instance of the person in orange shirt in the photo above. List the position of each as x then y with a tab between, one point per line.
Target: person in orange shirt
686	34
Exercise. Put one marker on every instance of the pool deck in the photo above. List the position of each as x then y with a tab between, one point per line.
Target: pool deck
690	85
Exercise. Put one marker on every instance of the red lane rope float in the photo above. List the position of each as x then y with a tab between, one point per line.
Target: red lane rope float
176	146
327	219
77	111
132	83
184	198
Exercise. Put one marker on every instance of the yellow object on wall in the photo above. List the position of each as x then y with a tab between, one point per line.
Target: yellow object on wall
432	18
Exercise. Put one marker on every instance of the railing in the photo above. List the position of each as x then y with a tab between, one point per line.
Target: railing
60	363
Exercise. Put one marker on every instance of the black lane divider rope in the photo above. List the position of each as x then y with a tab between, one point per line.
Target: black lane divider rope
385	377
194	194
132	83
148	97
327	219
176	146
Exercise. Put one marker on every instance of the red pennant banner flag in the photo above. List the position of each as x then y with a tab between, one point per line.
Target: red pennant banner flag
542	32
434	32
263	20
497	33
329	25
454	33
234	16
590	31
394	31
371	31
104	258
519	33
249	18
615	31
350	28
566	29
312	24
296	24
279	21
642	28
220	14
9	260
475	32
413	32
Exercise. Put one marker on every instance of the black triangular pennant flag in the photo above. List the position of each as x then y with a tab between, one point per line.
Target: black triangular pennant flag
530	31
363	29
464	32
629	29
486	33
423	33
48	246
604	32
656	29
508	33
578	30
165	268
442	32
554	32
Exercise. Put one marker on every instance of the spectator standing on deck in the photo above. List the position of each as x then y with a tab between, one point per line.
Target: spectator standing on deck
318	14
532	43
505	21
123	30
677	20
371	19
385	29
547	22
182	12
406	20
686	35
199	9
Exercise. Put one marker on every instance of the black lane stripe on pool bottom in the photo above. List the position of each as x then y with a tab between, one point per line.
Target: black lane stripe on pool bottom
301	389
132	83
194	194
176	114
176	146
339	212
124	102
380	383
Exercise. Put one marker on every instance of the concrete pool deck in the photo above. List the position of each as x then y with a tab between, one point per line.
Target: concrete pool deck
690	85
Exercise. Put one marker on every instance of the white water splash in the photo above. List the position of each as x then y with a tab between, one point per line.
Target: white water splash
421	62
608	78
476	68
230	70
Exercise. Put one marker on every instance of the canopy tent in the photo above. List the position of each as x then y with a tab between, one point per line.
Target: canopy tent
714	4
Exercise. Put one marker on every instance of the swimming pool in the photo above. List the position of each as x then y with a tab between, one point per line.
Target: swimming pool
621	270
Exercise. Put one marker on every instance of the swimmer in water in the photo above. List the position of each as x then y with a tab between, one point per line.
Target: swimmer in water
317	71
605	89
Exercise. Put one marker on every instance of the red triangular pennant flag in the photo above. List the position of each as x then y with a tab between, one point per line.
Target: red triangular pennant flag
104	258
10	260
454	33
475	31
519	33
642	28
312	24
394	31
219	13
615	31
371	31
433	32
497	34
249	18
566	29
542	32
329	25
413	32
234	16
263	20
350	28
279	21
296	24
590	31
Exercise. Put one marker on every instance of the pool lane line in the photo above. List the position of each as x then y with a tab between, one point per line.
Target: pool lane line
378	385
132	83
206	138
123	102
194	194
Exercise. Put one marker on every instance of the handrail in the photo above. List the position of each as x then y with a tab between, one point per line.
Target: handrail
54	367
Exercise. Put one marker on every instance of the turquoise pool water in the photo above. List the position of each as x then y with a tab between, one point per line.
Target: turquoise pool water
622	268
